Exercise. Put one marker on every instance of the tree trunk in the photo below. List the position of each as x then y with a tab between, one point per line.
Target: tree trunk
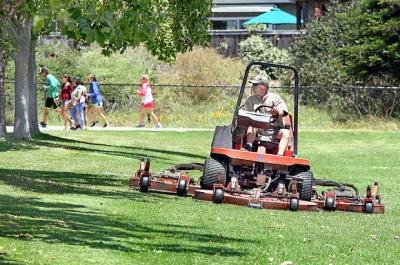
21	58
33	113
3	132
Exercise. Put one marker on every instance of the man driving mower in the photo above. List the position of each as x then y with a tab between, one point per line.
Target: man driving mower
270	103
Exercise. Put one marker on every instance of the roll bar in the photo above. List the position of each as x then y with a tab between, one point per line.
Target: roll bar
296	95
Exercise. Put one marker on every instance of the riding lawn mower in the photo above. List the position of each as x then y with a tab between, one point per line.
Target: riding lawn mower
259	177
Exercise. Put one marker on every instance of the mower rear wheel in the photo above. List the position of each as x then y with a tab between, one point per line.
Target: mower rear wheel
213	168
369	208
294	204
144	184
181	190
218	196
305	189
329	204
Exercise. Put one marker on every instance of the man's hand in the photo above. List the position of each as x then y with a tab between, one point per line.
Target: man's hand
275	112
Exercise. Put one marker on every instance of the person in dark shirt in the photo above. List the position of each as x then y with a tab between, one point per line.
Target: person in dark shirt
66	90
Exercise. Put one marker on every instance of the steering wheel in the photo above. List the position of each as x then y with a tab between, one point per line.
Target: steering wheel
269	108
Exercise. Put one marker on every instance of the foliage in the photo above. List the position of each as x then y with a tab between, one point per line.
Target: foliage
61	59
334	55
202	66
165	27
372	52
257	48
256	27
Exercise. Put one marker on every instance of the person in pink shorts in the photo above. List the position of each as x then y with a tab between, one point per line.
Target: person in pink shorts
147	105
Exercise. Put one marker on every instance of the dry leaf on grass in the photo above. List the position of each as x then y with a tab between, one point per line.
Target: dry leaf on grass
24	236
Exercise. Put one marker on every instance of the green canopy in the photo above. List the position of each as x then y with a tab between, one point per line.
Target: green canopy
275	16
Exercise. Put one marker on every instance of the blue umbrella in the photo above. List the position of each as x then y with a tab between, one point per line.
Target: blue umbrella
275	16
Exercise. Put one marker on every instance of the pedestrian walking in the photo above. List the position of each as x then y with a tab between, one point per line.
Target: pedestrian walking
147	105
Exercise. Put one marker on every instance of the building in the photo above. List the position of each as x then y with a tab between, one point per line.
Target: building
229	15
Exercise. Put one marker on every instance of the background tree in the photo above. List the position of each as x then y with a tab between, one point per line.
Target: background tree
372	53
3	132
356	44
165	27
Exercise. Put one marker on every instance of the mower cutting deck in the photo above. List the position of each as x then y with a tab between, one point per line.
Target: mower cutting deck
169	181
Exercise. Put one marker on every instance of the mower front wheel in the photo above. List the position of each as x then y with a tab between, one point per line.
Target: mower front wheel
144	184
294	204
329	204
369	208
181	190
218	196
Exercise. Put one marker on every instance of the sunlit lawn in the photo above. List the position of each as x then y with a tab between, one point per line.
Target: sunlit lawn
64	199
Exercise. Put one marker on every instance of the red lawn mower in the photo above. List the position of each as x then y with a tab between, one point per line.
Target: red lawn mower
259	178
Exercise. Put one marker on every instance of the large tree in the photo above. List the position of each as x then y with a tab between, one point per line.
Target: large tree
373	40
3	132
166	27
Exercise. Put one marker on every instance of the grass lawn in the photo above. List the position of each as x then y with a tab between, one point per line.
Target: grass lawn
64	199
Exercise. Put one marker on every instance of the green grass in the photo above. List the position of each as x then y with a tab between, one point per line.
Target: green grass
69	191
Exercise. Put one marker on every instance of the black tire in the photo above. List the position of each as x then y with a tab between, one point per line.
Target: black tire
294	204
305	189
369	208
144	184
218	196
212	169
181	190
329	204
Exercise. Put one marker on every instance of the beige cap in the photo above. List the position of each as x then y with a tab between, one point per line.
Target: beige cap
260	79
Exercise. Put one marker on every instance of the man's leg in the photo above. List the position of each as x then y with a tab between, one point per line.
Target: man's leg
45	115
250	137
283	135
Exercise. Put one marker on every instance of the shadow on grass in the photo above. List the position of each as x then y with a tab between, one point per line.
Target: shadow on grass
48	137
72	224
53	182
6	261
51	141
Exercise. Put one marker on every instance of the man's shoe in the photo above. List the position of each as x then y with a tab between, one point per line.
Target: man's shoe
43	124
105	125
140	126
93	124
249	147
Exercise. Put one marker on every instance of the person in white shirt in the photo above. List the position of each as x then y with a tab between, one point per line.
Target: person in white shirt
78	102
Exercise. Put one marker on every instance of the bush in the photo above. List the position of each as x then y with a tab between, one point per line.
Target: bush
202	66
60	60
257	48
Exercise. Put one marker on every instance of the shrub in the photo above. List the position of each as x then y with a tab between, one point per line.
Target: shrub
202	66
257	48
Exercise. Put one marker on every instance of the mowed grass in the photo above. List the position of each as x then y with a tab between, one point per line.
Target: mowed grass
64	199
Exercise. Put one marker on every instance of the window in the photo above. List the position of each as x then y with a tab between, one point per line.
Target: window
224	24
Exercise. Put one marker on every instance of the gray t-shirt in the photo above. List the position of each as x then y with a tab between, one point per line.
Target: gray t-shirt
274	101
74	94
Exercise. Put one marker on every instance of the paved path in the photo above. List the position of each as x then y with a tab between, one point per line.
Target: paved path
61	128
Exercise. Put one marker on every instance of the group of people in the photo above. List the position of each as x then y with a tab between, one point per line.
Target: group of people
83	105
78	106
